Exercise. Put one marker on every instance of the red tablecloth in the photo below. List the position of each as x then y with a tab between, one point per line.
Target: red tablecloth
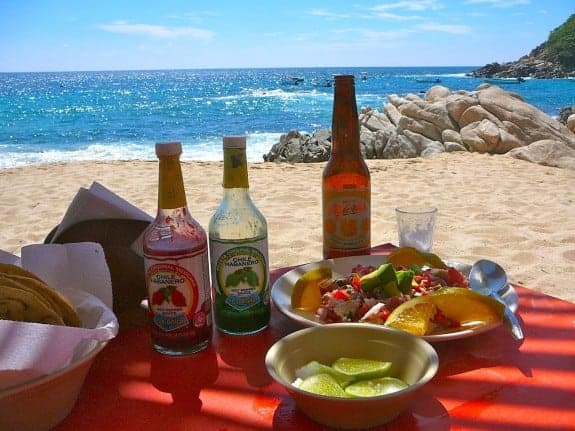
486	382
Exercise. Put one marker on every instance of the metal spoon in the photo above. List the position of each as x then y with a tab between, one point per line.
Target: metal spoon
489	278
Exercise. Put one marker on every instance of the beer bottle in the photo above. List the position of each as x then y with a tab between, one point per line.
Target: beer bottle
177	265
346	188
238	242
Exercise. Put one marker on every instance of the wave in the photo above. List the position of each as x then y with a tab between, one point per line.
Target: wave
205	149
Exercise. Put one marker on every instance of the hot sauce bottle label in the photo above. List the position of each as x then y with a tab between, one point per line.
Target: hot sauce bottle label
176	297
346	222
240	272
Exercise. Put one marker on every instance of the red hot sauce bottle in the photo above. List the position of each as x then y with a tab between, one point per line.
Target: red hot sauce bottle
346	184
177	265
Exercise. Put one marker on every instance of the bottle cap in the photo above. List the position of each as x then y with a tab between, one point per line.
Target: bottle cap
344	78
235	142
168	148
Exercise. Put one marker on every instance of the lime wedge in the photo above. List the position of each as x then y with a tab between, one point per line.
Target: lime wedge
323	384
375	387
361	368
315	367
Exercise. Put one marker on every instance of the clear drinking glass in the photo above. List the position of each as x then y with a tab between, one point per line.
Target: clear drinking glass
415	226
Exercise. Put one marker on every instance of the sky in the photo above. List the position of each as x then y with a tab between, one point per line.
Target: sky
78	35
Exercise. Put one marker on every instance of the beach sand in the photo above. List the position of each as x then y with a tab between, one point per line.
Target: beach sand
521	215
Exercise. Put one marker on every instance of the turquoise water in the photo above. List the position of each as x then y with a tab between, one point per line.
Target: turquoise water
53	117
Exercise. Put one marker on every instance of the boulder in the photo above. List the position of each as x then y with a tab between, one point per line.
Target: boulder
422	127
535	124
571	122
450	146
423	145
367	142
435	113
546	152
477	113
374	120
457	104
437	92
487	137
399	147
449	135
392	113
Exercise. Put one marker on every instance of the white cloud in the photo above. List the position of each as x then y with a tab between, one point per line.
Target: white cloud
324	13
499	3
156	31
413	5
382	36
445	28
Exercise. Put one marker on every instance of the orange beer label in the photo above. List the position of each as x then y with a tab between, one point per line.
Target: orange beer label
346	214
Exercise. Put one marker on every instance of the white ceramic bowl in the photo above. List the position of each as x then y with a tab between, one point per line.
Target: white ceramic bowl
414	361
42	403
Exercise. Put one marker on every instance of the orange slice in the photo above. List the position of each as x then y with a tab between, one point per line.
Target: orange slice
407	256
456	303
413	316
467	306
306	294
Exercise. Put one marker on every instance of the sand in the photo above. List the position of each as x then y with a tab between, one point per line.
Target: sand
521	215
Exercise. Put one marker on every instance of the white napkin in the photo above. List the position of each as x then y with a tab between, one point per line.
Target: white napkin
97	202
79	271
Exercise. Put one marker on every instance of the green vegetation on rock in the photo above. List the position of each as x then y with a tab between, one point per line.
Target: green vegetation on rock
560	46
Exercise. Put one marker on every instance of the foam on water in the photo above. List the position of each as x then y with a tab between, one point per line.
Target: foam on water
210	149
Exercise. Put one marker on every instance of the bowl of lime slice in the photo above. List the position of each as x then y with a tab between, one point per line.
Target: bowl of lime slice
352	375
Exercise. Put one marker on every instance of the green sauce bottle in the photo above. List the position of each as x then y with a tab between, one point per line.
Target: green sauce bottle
238	242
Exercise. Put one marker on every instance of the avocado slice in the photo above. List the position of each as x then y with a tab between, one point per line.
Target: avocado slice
404	279
383	278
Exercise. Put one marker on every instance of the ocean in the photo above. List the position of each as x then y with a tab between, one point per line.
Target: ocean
72	116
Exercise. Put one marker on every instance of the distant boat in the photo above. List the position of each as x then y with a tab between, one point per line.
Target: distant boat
293	80
363	76
322	82
504	81
429	80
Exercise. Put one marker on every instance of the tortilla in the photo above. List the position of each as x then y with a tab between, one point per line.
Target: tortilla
9	269
25	306
40	293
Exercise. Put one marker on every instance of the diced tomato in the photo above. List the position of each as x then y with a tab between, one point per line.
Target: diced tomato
341	294
383	314
455	278
356	282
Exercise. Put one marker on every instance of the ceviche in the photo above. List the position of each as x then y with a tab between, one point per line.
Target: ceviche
371	294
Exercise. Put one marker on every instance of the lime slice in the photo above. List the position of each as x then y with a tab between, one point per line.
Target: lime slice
375	387
323	384
315	367
361	368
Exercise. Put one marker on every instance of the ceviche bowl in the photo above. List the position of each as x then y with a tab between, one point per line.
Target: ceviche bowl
413	360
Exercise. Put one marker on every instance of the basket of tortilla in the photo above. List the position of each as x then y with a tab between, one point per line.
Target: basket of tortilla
49	339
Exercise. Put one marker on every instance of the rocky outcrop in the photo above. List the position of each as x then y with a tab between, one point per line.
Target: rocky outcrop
554	58
487	120
527	66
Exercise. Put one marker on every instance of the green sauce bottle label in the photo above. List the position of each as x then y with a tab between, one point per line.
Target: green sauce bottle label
240	272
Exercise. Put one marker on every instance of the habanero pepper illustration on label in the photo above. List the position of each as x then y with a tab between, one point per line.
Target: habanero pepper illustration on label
173	296
241	277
